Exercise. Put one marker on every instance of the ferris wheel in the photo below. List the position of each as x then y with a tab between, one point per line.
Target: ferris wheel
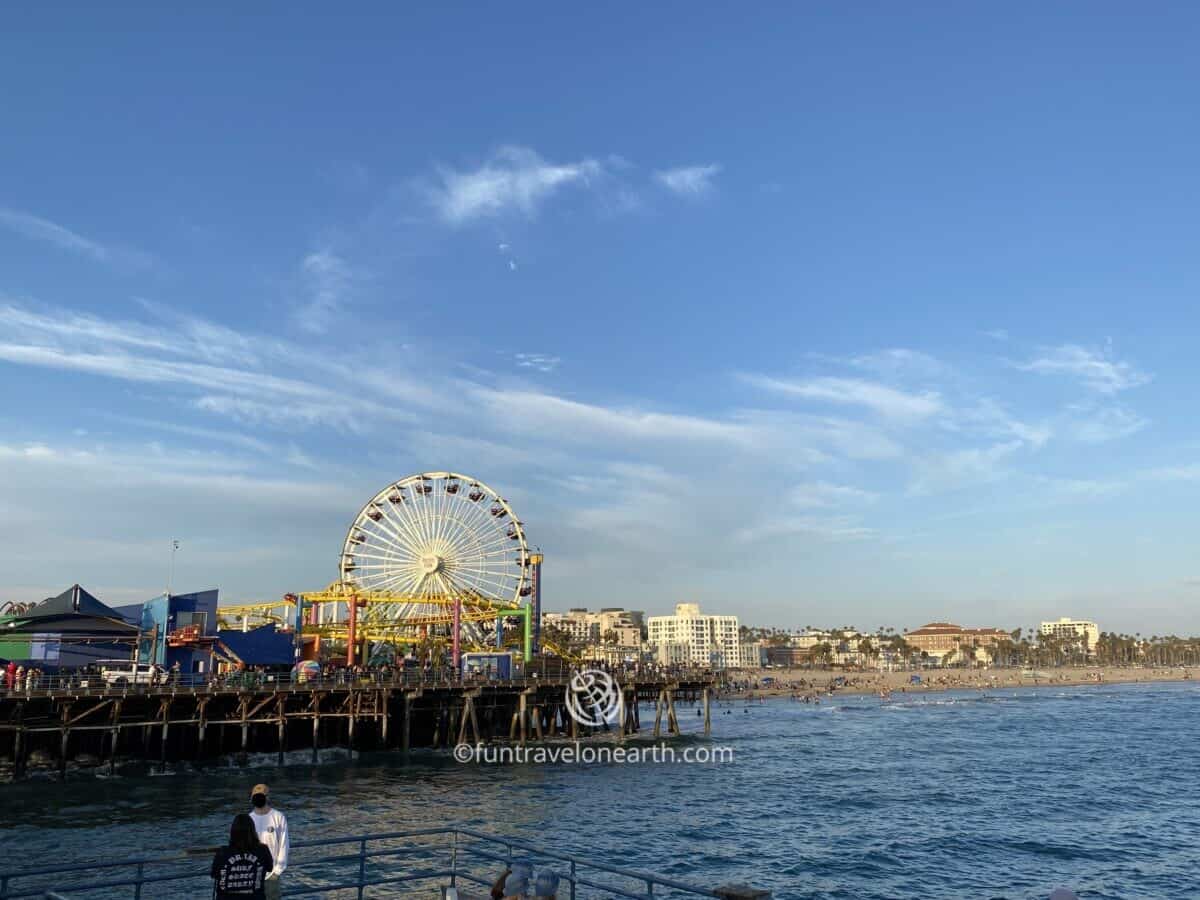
438	536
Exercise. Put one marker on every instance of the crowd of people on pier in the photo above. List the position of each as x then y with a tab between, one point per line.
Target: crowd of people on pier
20	678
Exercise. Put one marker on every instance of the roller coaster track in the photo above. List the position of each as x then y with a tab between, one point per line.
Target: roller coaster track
375	625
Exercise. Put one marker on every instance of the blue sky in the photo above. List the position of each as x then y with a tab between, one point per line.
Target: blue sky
866	315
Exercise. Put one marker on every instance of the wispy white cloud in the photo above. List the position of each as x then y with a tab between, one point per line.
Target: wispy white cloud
209	434
988	418
688	180
285	413
150	458
574	420
294	456
227	512
179	335
326	279
616	474
900	362
834	528
1097	424
172	356
1186	472
1082	488
129	367
996	334
505	249
515	179
345	398
539	361
28	451
39	229
879	398
963	468
815	440
44	230
822	494
1095	369
19	322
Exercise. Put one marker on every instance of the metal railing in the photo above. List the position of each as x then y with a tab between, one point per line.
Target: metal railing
94	684
450	857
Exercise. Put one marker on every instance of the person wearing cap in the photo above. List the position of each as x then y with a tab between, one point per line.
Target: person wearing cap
517	885
546	886
272	829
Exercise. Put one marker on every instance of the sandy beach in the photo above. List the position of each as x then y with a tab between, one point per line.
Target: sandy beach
786	682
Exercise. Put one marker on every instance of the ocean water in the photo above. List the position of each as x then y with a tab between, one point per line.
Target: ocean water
1004	794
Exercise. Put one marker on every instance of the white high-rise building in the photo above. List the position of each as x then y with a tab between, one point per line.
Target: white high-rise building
710	640
1070	629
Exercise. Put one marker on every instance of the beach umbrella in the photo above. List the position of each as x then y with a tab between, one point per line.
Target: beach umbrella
307	668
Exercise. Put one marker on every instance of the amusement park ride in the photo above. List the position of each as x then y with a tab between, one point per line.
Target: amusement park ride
433	559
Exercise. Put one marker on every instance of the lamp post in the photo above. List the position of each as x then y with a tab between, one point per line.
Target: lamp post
171	570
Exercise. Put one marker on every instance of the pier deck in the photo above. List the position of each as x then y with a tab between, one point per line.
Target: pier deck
66	722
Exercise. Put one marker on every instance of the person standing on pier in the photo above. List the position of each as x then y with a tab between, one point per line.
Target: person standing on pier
272	829
239	871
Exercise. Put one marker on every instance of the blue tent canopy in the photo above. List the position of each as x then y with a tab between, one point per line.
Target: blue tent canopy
264	646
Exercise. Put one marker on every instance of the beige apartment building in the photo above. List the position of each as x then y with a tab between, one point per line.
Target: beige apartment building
589	628
939	638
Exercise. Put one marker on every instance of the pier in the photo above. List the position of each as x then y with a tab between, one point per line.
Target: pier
88	724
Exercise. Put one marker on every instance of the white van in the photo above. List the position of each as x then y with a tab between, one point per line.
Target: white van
120	672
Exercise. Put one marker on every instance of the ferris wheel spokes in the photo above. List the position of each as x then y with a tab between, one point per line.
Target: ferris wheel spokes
437	536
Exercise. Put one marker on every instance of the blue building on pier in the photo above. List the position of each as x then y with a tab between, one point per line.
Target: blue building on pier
179	628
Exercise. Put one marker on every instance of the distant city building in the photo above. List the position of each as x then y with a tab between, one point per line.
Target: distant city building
622	636
710	640
806	640
940	638
752	655
612	616
611	626
788	657
672	654
1067	629
576	624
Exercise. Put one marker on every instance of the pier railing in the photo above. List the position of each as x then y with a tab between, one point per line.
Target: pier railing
78	684
450	857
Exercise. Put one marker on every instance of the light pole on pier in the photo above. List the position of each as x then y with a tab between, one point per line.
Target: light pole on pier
171	570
